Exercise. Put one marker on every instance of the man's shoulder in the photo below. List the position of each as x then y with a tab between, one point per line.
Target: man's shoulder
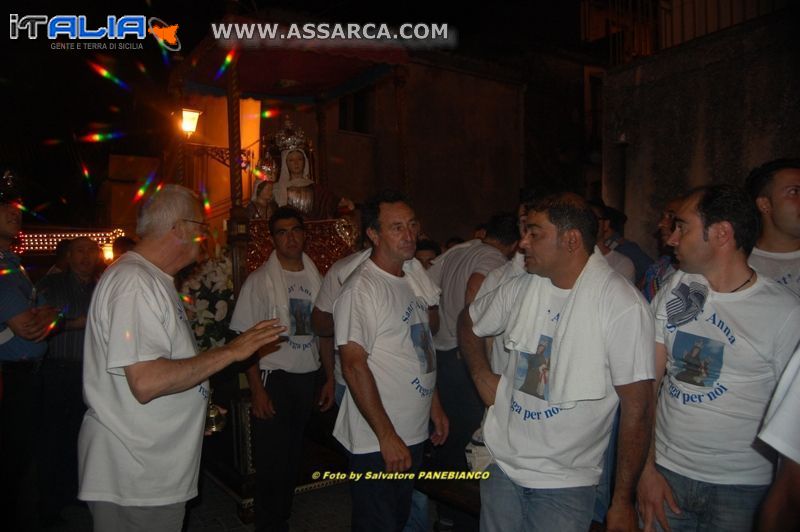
681	277
776	295
788	257
457	254
338	266
483	249
129	273
518	286
619	298
128	263
486	254
371	280
262	270
259	275
363	277
500	276
767	297
618	258
618	283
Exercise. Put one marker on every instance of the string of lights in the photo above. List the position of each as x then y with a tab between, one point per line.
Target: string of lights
47	242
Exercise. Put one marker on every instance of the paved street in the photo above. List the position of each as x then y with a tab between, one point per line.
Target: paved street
321	510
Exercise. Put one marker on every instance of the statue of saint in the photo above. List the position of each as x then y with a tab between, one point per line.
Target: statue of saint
261	204
296	185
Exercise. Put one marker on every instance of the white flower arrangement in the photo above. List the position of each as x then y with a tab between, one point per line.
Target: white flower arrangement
207	294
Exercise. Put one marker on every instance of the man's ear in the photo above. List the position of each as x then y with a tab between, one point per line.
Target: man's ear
763	204
372	234
571	239
722	233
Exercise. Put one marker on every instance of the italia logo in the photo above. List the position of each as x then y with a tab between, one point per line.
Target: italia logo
76	27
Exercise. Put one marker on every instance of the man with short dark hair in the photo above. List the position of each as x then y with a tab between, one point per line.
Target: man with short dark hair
775	188
145	385
580	344
616	260
282	384
628	248
427	250
460	272
723	337
657	273
70	291
383	331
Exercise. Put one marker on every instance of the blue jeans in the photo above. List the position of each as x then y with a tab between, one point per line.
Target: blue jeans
506	507
708	507
382	505
418	516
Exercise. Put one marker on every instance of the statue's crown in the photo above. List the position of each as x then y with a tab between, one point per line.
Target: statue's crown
291	137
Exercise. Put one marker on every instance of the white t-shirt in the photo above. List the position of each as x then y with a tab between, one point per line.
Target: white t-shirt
542	446
451	272
722	367
129	453
380	312
622	265
256	302
328	292
784	268
781	424
499	356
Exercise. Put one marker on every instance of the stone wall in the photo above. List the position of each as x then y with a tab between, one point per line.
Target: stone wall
703	112
463	147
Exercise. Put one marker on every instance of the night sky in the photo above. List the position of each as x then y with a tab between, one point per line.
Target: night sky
53	99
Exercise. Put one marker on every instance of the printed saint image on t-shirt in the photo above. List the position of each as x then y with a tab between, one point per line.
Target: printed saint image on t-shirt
697	360
300	312
533	370
423	345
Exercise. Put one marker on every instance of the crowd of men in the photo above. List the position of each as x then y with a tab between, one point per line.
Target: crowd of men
593	382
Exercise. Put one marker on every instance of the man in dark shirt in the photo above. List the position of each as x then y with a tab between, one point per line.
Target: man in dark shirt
70	291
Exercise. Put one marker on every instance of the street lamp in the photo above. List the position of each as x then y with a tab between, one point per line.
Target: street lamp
189	123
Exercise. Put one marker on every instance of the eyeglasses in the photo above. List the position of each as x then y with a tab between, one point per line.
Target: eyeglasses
204	225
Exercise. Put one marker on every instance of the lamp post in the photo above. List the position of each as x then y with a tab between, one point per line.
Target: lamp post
189	119
235	159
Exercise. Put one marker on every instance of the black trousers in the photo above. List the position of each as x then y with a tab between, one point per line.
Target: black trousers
62	415
463	406
278	446
19	430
